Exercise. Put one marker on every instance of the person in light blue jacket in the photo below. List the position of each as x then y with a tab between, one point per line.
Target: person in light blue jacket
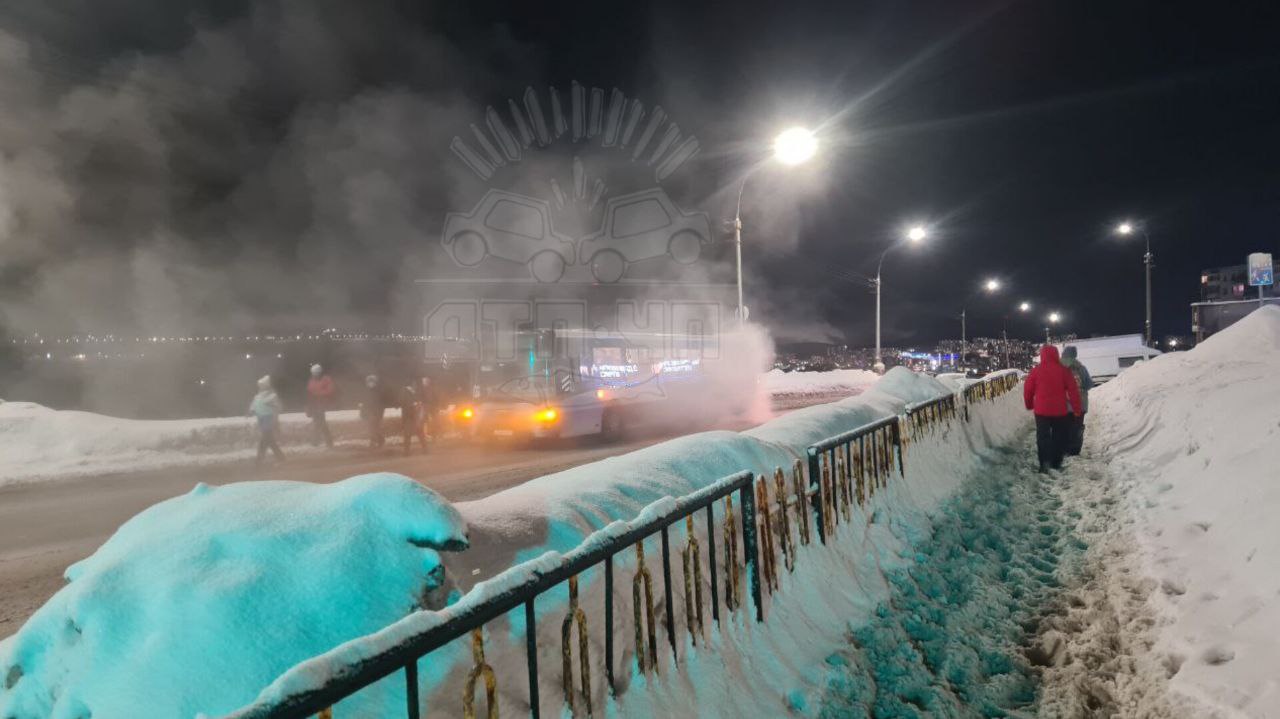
266	408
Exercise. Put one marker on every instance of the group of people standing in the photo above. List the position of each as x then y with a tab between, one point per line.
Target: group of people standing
417	401
1057	391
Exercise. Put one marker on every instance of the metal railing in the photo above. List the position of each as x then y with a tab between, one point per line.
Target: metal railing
852	466
844	469
404	656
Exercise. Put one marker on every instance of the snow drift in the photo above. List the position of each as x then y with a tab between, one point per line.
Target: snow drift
1195	439
41	443
199	598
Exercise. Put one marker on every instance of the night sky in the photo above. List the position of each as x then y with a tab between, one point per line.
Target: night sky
1020	132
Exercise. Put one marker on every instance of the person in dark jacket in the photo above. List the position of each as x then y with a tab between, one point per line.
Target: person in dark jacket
378	397
411	418
1050	392
1085	382
321	393
430	400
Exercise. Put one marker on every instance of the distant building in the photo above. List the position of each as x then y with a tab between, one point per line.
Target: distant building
1225	284
1225	297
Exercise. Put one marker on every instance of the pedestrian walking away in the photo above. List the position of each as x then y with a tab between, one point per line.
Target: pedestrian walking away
1085	382
321	393
378	397
429	400
1051	392
411	418
266	408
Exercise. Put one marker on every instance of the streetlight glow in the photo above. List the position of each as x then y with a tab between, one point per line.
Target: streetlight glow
992	285
917	233
795	146
1024	307
1124	228
1054	317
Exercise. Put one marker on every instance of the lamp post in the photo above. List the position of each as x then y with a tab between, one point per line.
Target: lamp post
990	286
1023	307
916	234
791	147
1053	319
1124	229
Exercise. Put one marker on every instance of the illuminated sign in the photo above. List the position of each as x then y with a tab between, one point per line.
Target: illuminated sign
1261	270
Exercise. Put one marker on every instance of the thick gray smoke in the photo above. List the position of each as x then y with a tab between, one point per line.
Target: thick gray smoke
168	168
275	162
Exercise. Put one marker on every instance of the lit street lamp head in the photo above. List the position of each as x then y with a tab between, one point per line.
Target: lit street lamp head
1124	228
795	146
992	285
1024	307
1054	318
917	233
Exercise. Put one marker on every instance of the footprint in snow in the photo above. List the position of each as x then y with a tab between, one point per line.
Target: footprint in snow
1216	656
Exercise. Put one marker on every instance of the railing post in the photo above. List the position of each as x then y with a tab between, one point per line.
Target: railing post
608	622
815	486
531	654
411	688
748	499
711	557
666	584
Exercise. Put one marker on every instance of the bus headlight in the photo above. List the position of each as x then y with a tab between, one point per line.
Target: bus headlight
467	413
547	416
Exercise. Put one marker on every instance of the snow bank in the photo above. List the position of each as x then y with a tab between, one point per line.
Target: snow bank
741	668
41	443
199	600
1195	439
840	381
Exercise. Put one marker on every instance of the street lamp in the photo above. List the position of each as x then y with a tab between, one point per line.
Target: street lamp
1023	307
1054	318
791	147
915	234
990	286
1124	229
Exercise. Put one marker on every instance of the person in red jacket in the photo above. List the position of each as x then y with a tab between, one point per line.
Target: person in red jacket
1048	389
321	393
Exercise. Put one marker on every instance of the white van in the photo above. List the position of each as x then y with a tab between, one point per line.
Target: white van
1105	357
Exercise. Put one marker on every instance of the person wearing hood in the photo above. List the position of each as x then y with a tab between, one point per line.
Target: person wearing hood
266	408
1085	382
321	393
1051	392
